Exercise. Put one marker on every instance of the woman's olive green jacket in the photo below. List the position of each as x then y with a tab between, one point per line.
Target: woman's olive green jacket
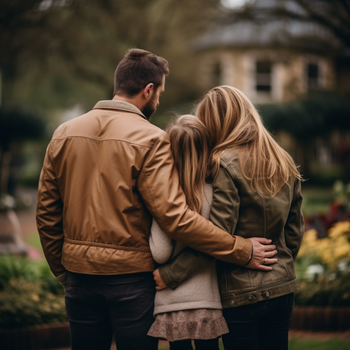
241	211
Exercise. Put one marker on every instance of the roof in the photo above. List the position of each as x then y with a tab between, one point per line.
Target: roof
267	33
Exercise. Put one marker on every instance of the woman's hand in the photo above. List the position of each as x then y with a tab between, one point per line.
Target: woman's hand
159	281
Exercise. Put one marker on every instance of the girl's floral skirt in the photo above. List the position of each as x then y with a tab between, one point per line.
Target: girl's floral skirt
189	324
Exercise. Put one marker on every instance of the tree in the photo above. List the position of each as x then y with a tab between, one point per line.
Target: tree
309	118
57	53
333	15
16	126
83	41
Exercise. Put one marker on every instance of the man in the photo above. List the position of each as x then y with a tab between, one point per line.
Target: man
105	175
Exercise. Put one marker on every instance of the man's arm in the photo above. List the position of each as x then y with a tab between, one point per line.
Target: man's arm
224	213
159	186
49	218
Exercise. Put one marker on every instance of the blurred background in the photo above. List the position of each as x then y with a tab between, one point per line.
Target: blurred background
290	57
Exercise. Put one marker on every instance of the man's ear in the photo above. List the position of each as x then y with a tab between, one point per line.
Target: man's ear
148	90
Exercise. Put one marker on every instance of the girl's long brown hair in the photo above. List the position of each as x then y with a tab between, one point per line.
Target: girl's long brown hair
190	146
234	123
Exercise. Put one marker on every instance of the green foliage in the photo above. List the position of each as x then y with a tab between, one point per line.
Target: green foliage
81	43
16	126
317	344
11	268
316	199
163	118
19	125
342	193
17	267
26	303
325	176
312	116
329	289
29	293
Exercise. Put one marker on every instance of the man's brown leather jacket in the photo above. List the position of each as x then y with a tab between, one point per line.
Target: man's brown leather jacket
105	175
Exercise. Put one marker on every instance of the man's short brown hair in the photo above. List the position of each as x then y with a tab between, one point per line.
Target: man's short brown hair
137	69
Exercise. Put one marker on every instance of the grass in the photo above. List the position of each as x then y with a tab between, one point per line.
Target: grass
316	199
307	344
316	344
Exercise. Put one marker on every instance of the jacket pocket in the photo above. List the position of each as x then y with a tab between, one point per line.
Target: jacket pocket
237	279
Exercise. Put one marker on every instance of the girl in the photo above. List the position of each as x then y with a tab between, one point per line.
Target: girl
193	310
257	191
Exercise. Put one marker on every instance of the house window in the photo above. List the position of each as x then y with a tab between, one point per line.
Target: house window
217	74
313	75
263	76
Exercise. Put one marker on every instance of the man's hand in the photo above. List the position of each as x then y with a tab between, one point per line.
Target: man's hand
263	252
159	281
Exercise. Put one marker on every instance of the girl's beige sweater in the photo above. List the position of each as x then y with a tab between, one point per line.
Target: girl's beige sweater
199	291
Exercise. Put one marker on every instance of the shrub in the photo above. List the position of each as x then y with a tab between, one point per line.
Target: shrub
15	267
329	289
28	303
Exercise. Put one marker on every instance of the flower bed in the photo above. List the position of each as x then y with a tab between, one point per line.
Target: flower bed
323	268
32	312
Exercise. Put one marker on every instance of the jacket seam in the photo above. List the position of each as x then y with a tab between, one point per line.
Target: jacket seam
104	245
226	170
44	176
298	214
100	140
49	161
298	218
51	156
152	151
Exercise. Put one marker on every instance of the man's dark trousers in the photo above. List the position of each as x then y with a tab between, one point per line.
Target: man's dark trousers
100	306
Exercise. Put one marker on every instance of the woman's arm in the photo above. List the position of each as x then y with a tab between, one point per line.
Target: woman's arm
294	228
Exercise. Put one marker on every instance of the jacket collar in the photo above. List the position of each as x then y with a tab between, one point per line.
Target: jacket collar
119	106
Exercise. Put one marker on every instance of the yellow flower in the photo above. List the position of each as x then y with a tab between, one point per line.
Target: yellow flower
330	250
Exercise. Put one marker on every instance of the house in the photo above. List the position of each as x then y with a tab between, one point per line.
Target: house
276	62
272	62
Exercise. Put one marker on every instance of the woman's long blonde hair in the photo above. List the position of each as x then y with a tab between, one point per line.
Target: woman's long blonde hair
234	123
190	146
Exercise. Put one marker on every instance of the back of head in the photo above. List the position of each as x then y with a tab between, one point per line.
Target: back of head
190	146
234	123
137	69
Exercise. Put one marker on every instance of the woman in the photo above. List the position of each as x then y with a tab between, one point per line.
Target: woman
257	191
193	311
